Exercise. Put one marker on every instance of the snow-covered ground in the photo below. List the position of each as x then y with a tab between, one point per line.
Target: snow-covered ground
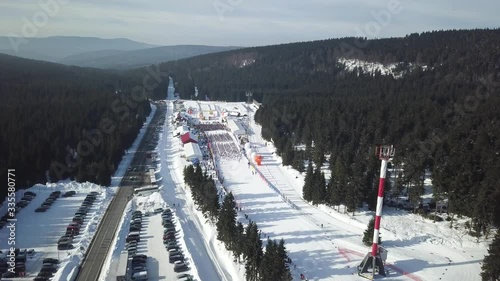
41	231
199	236
372	67
196	237
325	244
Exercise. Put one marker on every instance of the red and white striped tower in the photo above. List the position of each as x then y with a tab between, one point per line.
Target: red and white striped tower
373	263
380	201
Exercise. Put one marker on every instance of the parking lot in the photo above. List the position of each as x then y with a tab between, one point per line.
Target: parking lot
42	222
145	251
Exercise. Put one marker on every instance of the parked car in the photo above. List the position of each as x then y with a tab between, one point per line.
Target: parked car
22	203
170	247
41	209
56	193
65	240
50	260
65	246
180	267
31	193
45	274
69	193
140	276
49	267
133	236
27	198
175	258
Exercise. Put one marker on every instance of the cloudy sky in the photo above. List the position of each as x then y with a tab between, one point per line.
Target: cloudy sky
240	22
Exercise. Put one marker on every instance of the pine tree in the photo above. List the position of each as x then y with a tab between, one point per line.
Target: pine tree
284	265
239	245
368	234
318	187
253	252
491	263
337	185
226	224
308	181
269	269
275	264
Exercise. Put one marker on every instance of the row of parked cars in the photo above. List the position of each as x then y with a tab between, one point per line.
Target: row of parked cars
49	267
25	200
20	266
73	229
175	253
48	202
136	264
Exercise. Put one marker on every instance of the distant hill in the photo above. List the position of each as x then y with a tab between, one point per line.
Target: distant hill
56	48
118	59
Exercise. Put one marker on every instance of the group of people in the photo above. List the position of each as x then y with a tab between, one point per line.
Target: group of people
210	127
224	146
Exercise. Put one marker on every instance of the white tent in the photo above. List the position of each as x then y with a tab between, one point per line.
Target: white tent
235	127
192	151
181	130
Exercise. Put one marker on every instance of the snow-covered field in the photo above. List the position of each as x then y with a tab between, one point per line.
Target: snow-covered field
325	244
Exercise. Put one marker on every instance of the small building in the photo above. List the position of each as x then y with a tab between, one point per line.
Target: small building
192	152
189	138
181	130
235	127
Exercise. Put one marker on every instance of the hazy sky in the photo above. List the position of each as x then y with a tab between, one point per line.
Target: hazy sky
240	22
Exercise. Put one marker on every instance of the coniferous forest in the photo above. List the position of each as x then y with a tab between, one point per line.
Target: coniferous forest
60	122
439	109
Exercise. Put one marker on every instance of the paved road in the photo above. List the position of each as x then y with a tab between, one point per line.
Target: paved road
101	243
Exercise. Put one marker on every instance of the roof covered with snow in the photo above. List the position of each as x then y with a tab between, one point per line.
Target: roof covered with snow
235	127
192	150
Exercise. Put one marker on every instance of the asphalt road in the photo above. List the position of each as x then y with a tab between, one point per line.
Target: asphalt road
101	243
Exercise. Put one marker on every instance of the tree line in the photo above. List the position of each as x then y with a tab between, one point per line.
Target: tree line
243	241
62	122
440	111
